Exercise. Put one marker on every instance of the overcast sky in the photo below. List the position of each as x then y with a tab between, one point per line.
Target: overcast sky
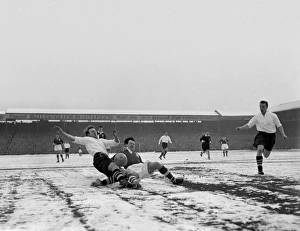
149	55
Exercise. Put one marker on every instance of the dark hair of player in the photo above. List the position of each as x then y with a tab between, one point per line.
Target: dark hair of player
264	102
86	130
128	139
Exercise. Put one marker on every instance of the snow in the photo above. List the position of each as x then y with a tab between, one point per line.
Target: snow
224	193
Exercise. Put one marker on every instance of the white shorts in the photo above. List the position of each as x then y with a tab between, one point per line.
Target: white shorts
57	148
224	146
141	169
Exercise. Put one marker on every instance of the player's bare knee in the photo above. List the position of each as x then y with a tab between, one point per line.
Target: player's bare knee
157	165
112	166
154	166
260	149
266	153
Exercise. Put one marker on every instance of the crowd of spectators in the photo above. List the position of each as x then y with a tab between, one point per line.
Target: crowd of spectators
37	138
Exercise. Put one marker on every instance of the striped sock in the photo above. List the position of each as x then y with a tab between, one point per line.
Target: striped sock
117	175
132	179
163	170
259	161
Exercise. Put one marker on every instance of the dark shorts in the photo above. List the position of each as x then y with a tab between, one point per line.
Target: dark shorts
67	150
164	145
265	139
205	146
101	163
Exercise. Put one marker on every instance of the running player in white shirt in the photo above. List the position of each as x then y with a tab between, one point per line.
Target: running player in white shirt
164	140
67	149
266	123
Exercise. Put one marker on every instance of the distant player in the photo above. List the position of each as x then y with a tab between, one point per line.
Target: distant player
67	149
79	151
100	133
266	123
58	147
164	140
205	140
224	145
96	148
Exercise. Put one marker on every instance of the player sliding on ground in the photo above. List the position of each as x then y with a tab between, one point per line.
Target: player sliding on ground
133	177
97	148
144	170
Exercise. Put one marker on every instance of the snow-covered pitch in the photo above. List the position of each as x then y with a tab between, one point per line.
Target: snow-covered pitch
224	193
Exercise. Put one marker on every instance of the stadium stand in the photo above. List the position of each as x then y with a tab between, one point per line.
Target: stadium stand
37	137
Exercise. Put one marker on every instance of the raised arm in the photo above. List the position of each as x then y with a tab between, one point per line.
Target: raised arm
116	138
68	136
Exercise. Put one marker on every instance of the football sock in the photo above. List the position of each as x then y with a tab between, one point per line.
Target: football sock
259	160
163	170
117	175
132	179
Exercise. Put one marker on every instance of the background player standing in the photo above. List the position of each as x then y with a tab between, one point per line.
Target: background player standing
100	133
67	149
206	140
164	140
58	147
79	151
224	145
266	123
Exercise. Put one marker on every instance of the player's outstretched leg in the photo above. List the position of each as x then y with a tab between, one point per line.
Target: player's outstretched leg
164	171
